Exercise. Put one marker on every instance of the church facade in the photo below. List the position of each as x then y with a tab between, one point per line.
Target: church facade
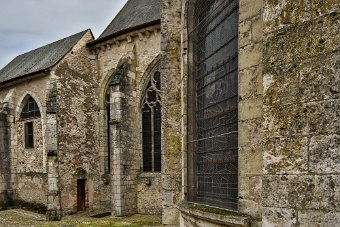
211	113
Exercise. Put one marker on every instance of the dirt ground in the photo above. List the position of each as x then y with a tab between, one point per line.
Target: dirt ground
23	218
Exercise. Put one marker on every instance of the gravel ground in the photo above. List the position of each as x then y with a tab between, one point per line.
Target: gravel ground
23	218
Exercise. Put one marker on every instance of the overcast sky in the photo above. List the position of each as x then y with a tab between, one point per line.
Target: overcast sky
28	24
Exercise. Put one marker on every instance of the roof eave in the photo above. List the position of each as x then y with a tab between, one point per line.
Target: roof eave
122	32
26	76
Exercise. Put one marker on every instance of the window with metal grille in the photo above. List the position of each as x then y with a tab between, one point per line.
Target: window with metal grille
107	157
151	125
213	104
29	137
30	109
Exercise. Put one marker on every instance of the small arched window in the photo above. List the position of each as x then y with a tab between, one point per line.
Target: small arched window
151	125
30	110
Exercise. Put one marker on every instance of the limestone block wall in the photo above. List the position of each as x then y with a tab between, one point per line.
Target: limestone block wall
140	49
301	113
76	118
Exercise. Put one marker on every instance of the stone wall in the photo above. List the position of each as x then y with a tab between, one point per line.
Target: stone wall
301	113
28	166
76	118
139	49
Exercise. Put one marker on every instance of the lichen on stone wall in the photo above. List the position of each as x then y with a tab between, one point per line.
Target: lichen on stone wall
301	112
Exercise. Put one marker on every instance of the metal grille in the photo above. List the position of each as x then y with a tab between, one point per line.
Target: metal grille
30	110
151	125
214	123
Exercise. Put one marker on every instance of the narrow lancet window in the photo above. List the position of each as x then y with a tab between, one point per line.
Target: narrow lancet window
151	125
30	110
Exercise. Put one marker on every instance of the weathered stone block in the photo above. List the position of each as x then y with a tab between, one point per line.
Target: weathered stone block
250	133
250	109
250	207
281	85
249	8
250	55
314	218
250	160
323	117
321	8
250	82
292	45
280	14
286	155
279	217
301	192
319	78
324	155
245	34
284	120
250	187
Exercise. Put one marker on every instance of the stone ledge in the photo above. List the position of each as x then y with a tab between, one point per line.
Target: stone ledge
150	175
214	215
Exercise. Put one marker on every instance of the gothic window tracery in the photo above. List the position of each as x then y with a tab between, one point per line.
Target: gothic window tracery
151	125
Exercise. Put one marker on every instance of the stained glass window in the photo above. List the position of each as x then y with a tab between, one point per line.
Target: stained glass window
213	104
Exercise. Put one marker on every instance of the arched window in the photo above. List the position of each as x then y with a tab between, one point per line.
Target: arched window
213	104
151	125
30	110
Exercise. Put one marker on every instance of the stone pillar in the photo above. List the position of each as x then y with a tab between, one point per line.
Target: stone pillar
171	86
53	193
5	163
250	90
115	119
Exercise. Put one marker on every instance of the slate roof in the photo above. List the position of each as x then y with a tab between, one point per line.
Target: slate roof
39	59
134	15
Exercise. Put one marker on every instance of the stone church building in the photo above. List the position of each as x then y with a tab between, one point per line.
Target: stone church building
209	112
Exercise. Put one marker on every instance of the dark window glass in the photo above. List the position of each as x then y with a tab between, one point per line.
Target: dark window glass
213	104
30	109
107	157
151	126
29	138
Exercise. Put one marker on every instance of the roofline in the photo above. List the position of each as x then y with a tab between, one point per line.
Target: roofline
122	32
26	76
49	68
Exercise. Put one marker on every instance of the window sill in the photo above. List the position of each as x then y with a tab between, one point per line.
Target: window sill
214	215
150	175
